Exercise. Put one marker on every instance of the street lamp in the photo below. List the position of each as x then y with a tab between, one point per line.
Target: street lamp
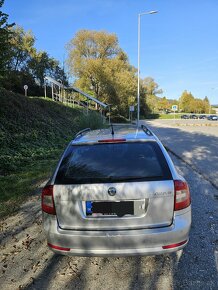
139	32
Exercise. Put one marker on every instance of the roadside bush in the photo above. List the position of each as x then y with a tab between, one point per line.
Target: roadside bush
119	119
93	120
150	116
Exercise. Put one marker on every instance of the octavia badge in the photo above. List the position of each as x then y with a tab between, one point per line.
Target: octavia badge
111	191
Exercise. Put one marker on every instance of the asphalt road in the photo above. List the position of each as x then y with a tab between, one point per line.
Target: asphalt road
26	262
195	141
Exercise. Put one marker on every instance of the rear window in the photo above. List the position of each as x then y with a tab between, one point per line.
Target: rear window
119	162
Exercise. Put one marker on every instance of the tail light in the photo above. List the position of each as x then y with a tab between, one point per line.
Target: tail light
182	195
48	200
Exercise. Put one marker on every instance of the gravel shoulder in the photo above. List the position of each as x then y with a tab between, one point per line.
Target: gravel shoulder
26	262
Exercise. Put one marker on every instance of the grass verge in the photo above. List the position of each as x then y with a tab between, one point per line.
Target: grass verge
170	116
15	188
33	134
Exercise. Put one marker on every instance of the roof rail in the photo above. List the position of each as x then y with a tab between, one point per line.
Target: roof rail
146	130
82	132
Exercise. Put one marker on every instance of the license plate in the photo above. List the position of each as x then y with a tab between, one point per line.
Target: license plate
120	208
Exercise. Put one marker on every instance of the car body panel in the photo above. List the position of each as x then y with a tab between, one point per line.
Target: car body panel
122	242
158	205
212	118
185	117
144	233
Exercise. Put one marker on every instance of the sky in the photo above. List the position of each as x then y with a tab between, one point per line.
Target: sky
179	44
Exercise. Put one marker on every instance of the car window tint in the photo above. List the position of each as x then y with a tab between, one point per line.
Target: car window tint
113	162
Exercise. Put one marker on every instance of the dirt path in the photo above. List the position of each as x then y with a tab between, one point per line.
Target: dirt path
27	262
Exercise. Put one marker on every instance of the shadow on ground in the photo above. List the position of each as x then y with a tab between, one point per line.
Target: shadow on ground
30	265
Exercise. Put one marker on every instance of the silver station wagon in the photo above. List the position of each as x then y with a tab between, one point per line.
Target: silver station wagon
116	192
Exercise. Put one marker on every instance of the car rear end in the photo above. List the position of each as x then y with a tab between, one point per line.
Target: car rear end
116	196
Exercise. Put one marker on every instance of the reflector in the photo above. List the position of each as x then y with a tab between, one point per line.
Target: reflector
58	248
174	245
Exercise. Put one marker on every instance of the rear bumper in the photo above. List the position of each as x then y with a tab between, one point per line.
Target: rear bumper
119	243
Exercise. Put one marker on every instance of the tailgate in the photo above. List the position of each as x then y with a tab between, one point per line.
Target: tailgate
135	205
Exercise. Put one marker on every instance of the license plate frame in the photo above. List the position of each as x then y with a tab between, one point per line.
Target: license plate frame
109	208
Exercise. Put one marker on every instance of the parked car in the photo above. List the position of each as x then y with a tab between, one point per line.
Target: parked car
212	118
116	192
184	116
202	117
193	116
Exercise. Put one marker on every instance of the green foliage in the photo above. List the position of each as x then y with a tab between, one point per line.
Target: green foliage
5	36
92	120
21	49
148	96
101	67
41	65
163	104
33	133
151	101
90	45
26	65
15	188
185	101
170	116
118	119
152	116
189	104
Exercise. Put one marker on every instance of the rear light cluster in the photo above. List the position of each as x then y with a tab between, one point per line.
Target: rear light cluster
182	195
48	200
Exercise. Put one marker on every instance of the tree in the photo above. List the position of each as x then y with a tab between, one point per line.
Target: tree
88	53
101	67
26	65
5	36
151	101
21	49
163	104
185	101
206	104
189	104
41	65
149	92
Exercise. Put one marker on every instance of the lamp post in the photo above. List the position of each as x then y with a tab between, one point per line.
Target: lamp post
139	33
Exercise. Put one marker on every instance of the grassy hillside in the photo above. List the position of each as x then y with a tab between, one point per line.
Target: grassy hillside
33	134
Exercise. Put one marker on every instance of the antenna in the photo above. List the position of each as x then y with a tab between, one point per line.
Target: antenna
112	130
